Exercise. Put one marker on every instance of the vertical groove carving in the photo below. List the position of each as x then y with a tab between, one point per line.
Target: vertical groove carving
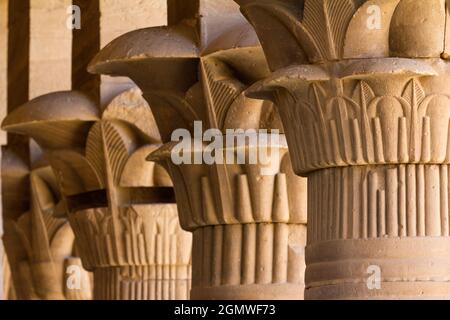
142	283
383	198
232	209
120	206
251	254
156	256
382	106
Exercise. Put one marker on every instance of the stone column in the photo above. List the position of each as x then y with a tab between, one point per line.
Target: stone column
365	103
3	64
15	23
40	246
3	273
248	236
39	61
120	207
3	110
248	224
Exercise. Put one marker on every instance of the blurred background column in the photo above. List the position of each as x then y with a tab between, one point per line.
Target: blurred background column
3	108
35	59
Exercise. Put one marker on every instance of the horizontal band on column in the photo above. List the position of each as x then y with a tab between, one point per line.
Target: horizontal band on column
127	196
389	291
250	292
402	267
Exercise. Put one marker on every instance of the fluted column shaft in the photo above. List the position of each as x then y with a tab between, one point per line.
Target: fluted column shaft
142	283
383	232
249	229
258	261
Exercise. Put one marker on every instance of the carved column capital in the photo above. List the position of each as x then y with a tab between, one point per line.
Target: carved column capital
119	205
307	32
249	229
365	104
41	246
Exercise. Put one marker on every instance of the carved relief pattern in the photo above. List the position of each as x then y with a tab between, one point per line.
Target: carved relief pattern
315	31
379	202
156	252
109	188
142	283
366	127
41	247
242	195
207	81
249	255
366	114
247	227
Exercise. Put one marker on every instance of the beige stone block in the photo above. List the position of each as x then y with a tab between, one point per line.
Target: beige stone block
49	23
118	18
46	49
49	5
50	47
49	76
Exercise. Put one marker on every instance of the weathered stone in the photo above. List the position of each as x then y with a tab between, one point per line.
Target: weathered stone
102	21
7	286
119	206
3	110
3	63
120	17
249	230
40	247
50	47
370	134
